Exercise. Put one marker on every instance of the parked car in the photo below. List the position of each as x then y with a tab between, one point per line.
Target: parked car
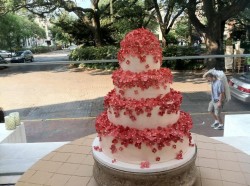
2	60
72	47
5	53
240	86
22	57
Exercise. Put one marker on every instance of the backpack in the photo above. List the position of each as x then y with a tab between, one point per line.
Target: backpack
221	76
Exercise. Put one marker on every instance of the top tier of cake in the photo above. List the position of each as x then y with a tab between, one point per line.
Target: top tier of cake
140	51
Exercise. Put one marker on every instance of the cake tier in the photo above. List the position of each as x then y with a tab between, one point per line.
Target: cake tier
151	145
150	84
133	64
140	51
143	113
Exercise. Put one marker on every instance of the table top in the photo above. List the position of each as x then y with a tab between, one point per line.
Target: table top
237	125
72	165
19	131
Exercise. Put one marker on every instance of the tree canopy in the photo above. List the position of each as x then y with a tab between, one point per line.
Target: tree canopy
14	29
214	14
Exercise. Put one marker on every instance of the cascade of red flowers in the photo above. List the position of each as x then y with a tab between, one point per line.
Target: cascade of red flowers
156	139
139	43
144	80
169	103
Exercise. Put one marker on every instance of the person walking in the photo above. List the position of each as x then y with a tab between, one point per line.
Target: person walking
220	94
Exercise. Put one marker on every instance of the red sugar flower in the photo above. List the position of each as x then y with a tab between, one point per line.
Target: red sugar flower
96	148
154	150
158	158
179	155
113	149
145	164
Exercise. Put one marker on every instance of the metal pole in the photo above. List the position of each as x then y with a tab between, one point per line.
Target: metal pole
111	10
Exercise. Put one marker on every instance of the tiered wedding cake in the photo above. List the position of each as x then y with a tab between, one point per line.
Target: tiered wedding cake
142	123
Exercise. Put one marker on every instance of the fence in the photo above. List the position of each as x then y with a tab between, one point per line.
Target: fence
234	58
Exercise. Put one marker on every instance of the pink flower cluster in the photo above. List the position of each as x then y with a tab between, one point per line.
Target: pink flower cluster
169	103
139	43
144	80
156	139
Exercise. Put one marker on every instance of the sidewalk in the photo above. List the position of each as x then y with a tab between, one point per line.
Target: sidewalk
58	104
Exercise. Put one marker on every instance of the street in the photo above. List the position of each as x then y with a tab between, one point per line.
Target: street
58	104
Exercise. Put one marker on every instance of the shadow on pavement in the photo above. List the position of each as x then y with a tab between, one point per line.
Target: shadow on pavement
72	120
16	70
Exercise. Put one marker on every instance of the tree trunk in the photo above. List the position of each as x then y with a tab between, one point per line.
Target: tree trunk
97	29
190	41
214	44
164	36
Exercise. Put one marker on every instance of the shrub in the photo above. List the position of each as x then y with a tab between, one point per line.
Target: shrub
95	53
41	49
180	64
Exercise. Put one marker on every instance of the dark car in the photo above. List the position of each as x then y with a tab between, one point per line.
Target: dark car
22	57
240	86
2	60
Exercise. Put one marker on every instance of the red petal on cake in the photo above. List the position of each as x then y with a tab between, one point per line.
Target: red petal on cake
157	158
128	62
154	150
96	148
179	155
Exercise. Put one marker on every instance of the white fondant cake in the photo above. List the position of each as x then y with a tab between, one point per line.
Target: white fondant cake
142	121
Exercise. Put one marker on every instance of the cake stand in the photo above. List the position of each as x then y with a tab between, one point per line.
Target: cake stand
174	172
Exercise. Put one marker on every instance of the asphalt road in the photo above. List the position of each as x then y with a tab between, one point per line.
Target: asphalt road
68	101
60	55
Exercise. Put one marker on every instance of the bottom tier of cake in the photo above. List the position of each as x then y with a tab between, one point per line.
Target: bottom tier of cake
144	167
132	154
145	146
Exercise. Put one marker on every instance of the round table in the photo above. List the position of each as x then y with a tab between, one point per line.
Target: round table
218	164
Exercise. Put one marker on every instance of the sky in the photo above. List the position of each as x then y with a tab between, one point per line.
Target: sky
84	3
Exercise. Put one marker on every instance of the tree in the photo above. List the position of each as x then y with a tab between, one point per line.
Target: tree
167	11
90	17
215	13
126	18
93	19
15	29
243	25
69	29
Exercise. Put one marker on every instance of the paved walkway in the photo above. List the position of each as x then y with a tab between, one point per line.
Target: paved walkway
59	104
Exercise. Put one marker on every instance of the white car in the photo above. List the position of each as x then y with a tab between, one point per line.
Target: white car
240	86
5	53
